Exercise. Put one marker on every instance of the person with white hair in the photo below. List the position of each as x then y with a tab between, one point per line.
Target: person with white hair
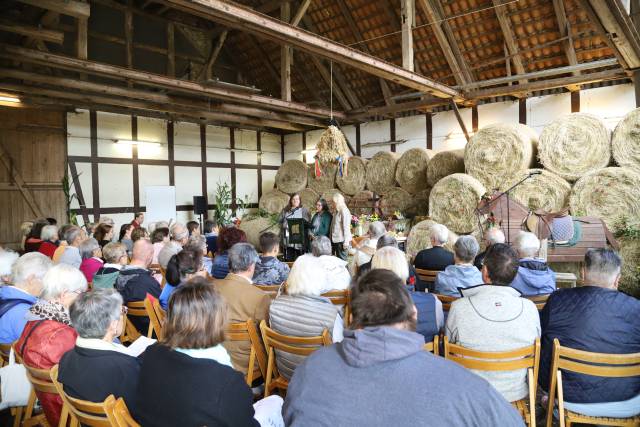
534	277
365	251
7	259
27	273
74	236
492	236
435	258
340	227
179	238
49	236
302	312
91	253
337	275
463	273
430	315
48	334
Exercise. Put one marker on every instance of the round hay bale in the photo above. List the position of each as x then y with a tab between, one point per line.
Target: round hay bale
498	152
328	195
629	277
546	191
419	238
443	164
381	172
612	194
411	171
308	199
625	143
575	145
292	176
395	199
419	205
274	201
361	203
326	181
355	179
453	201
254	226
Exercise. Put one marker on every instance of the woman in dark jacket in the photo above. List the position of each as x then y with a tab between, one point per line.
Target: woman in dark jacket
321	221
186	379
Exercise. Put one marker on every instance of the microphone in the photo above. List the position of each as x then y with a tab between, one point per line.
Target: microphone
535	173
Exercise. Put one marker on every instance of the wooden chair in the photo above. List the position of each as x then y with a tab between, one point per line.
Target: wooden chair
272	290
584	362
522	358
343	298
83	412
248	332
539	300
446	301
5	350
427	276
566	280
135	309
155	324
302	346
433	346
118	413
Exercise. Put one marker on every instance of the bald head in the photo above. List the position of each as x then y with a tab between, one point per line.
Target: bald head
142	253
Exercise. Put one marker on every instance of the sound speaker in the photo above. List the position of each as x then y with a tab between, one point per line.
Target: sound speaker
199	205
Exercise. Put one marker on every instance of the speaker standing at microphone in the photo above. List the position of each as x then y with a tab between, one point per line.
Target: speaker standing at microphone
294	210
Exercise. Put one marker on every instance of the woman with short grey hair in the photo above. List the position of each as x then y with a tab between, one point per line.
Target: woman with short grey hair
337	275
365	251
49	237
97	366
463	273
91	254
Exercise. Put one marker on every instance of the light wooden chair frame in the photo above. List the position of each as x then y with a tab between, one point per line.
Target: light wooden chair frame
446	301
583	362
539	300
5	350
522	358
272	290
155	323
130	333
343	298
118	413
301	346
433	346
427	276
248	332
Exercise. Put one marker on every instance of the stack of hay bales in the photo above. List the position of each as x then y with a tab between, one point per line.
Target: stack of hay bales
453	201
443	164
254	226
419	238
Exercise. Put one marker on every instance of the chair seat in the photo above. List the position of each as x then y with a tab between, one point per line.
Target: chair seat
574	417
522	406
280	382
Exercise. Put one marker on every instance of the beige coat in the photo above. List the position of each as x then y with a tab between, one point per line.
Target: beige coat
341	226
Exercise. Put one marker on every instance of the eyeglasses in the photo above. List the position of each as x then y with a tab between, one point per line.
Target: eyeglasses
124	310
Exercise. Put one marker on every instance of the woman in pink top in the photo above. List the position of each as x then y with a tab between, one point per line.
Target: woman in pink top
91	253
159	238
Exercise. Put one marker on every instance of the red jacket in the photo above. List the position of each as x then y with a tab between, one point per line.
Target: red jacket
43	349
48	249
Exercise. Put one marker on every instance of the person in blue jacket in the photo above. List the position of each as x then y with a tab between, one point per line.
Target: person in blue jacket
534	277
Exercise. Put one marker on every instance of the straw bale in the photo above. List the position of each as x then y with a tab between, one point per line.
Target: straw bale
453	201
443	164
254	226
361	203
411	171
625	143
292	176
395	199
332	145
419	205
575	145
630	274
419	238
498	152
546	191
274	201
328	195
308	198
355	179
381	172
326	181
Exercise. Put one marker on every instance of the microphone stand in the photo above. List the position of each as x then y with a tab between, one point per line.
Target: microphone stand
506	194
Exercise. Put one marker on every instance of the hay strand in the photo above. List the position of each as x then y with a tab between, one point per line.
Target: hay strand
381	172
575	145
411	171
292	176
443	164
612	194
361	203
395	199
274	201
546	191
453	201
498	152
308	198
332	145
625	143
255	226
324	182
419	205
355	179
419	238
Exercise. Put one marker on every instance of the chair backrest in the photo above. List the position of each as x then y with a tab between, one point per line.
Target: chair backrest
539	300
5	350
428	276
341	297
446	301
138	309
272	290
154	321
118	413
40	379
248	332
433	346
87	413
566	280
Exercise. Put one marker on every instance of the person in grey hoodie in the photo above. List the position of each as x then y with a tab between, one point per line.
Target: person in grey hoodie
379	375
463	273
534	277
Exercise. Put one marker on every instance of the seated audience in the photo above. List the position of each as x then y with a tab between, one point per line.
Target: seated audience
25	230
436	258
494	317
368	247
430	315
534	277
115	256
91	253
194	228
463	273
125	236
492	236
49	236
52	221
97	366
211	234
139	233
62	244
595	317
269	269
74	236
138	220
198	243
159	238
16	299
413	281
303	312
244	300
186	379
337	275
103	234
179	238
182	267
321	220
34	240
228	237
371	378
7	259
48	334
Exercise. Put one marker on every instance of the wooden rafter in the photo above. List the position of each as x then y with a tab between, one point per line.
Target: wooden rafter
286	56
32	32
216	48
463	127
509	38
171	49
66	7
565	31
408	18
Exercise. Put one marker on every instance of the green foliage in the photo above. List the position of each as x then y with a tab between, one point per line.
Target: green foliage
222	214
261	213
66	188
622	228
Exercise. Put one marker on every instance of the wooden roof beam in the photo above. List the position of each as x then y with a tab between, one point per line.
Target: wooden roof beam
408	17
565	31
32	32
67	7
286	57
207	70
509	38
245	19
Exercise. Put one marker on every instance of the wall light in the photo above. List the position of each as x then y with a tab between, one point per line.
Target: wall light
7	98
132	142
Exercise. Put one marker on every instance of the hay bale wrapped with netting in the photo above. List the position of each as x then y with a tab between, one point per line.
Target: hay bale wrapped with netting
612	194
453	201
419	205
443	164
292	176
411	170
361	203
545	190
498	152
381	172
254	226
420	238
355	178
395	199
274	201
308	198
326	180
575	145
625	143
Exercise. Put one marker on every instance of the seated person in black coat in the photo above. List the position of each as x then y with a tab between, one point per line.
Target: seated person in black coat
187	378
436	258
97	367
491	236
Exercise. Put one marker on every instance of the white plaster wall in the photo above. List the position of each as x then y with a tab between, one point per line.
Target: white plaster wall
610	103
270	144
218	143
293	146
414	130
374	132
246	140
498	112
112	127
186	142
78	134
152	130
447	134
